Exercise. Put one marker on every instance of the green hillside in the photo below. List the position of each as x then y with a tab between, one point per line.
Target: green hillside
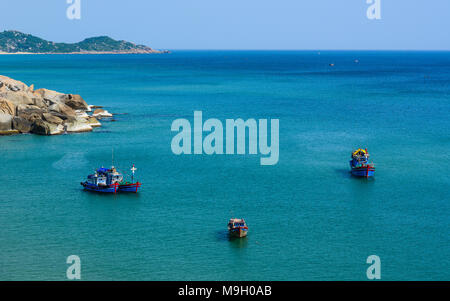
12	41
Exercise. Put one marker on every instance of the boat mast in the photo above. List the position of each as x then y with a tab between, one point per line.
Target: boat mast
133	169
112	158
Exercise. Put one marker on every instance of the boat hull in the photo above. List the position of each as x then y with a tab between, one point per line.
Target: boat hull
129	187
238	232
365	171
101	189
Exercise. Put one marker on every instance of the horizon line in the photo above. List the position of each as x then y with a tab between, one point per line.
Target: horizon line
304	49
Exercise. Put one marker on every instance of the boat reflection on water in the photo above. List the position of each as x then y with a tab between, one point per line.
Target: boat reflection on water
238	243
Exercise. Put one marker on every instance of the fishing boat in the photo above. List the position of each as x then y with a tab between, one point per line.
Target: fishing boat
360	165
110	181
237	227
130	186
103	180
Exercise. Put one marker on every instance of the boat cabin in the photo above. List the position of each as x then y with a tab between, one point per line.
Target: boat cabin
105	177
97	179
360	156
236	222
114	176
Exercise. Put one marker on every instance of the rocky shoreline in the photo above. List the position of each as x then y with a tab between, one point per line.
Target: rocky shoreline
44	112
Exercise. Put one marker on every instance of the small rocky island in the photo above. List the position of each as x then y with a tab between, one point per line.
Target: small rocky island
16	42
44	112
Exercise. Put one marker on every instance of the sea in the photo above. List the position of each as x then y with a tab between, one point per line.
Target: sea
308	218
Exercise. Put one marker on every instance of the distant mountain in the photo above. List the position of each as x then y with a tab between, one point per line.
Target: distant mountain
12	41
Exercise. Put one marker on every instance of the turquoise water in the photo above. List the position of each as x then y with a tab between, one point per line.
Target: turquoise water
308	219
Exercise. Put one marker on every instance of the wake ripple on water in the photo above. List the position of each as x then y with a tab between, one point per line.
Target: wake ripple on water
71	161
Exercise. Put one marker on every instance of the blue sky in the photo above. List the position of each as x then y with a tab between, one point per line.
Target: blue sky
239	24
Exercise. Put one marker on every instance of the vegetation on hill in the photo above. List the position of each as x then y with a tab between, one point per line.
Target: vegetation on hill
12	41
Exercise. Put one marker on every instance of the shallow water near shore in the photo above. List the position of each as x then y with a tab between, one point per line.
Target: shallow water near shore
308	218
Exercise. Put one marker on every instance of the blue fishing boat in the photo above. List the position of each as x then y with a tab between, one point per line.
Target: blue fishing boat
110	181
360	165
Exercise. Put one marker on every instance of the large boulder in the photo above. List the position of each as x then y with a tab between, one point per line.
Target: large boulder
21	124
12	84
19	93
101	113
56	129
62	109
39	102
29	112
5	122
52	118
49	95
6	125
59	115
75	101
77	125
19	97
93	122
82	114
7	107
41	127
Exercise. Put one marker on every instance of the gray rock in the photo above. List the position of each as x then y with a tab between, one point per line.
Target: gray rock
93	122
5	122
49	95
41	127
52	118
63	109
22	125
11	84
30	113
39	101
101	113
78	125
75	101
19	97
59	115
7	107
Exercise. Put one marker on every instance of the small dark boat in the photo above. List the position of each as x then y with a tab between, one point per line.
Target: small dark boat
360	165
110	181
237	227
